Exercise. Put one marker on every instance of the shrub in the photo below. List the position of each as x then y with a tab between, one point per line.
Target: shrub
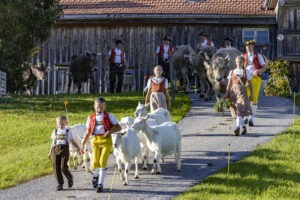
278	83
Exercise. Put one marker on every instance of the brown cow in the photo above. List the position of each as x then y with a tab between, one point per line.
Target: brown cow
218	68
205	84
182	64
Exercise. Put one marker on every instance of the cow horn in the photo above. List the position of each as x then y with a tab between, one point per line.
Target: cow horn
227	58
207	58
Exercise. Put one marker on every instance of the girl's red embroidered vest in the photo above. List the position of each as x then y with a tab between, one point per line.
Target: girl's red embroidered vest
255	61
113	55
161	51
158	87
208	43
235	79
106	122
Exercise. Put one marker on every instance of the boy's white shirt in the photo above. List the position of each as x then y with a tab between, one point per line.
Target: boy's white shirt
62	131
239	73
166	51
157	80
250	59
204	44
99	128
118	58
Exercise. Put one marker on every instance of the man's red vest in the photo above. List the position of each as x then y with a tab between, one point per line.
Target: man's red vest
255	61
161	51
106	122
208	43
113	55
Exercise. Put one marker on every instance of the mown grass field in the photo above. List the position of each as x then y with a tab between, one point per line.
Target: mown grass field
26	124
271	172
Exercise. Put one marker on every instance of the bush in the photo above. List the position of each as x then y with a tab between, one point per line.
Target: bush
221	105
278	83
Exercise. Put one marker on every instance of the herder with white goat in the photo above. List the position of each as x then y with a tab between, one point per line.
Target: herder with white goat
100	125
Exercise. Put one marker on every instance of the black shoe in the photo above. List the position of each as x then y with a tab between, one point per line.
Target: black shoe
95	181
237	131
251	123
70	183
99	188
59	187
244	130
246	121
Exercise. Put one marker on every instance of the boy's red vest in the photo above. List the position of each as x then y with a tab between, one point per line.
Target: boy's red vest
113	55
208	43
106	122
161	51
255	61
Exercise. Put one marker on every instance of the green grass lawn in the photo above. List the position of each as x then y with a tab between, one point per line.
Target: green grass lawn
271	172
26	124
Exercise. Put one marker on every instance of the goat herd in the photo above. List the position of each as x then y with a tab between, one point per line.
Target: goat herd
147	133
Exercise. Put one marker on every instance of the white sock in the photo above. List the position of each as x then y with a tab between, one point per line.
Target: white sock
239	121
254	108
96	172
102	176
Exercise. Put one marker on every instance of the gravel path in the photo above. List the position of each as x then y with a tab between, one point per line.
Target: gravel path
204	152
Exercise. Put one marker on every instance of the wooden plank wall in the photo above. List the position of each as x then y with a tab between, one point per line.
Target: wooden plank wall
141	42
2	83
291	43
295	76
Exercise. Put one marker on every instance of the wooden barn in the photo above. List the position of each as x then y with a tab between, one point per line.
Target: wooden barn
94	25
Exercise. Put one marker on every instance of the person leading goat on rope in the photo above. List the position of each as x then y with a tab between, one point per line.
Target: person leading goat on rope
255	63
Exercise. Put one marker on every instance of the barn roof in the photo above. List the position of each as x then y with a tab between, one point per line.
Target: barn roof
166	7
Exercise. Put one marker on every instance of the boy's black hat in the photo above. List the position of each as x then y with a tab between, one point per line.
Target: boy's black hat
119	41
203	34
229	38
167	38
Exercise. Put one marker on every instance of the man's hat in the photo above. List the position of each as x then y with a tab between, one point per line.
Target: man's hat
250	42
204	34
167	38
228	38
119	41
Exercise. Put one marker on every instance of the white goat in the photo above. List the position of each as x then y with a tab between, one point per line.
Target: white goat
78	131
157	117
126	122
162	140
126	147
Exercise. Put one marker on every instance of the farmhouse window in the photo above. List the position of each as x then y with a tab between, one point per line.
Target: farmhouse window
260	35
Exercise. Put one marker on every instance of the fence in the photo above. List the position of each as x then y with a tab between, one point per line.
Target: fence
2	83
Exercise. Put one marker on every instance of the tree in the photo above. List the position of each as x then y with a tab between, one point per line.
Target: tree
24	25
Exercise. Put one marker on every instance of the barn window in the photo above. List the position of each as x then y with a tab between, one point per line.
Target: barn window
260	35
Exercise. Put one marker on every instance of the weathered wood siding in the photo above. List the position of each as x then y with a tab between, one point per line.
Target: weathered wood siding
140	40
2	83
291	31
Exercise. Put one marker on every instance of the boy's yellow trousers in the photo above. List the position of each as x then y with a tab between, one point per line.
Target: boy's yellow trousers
256	82
101	150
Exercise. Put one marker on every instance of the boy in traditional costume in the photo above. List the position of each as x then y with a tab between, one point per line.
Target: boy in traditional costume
62	137
100	126
255	63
